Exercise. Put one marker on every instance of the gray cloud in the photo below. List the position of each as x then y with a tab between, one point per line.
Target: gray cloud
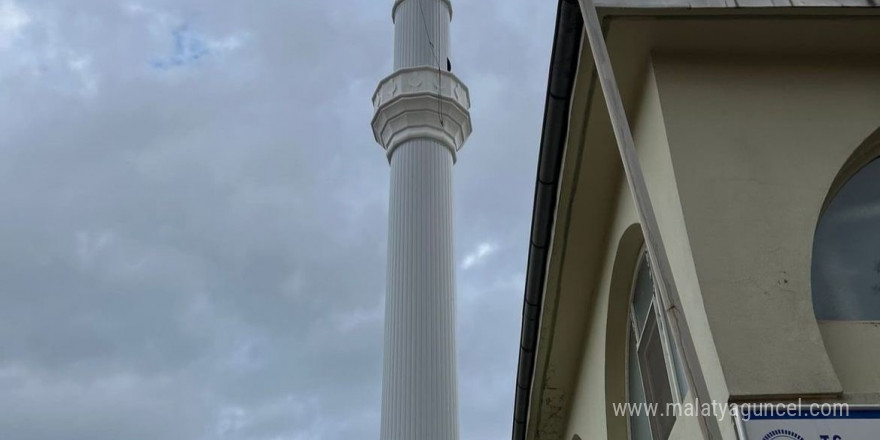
195	216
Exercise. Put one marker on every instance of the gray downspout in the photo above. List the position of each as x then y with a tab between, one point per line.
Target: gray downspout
563	68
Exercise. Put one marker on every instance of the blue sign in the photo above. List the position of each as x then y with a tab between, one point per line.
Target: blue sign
825	421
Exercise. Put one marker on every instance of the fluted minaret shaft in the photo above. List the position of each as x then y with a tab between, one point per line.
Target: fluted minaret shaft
421	120
419	399
418	41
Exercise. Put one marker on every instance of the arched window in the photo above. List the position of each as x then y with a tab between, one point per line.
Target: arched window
846	251
654	372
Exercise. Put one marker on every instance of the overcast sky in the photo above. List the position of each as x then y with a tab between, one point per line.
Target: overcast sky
194	215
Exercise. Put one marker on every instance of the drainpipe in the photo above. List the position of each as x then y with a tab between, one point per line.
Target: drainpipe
563	68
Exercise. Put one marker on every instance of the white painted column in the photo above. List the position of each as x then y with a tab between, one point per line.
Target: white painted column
419	386
412	45
421	120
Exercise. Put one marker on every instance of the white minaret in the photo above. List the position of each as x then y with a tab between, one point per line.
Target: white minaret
421	121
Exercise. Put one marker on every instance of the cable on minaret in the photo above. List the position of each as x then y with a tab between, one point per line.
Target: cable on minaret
434	51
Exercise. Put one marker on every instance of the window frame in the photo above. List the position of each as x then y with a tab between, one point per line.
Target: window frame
635	335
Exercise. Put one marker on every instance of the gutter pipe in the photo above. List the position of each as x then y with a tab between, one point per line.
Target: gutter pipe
563	68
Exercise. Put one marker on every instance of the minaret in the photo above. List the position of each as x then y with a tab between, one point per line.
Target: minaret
421	120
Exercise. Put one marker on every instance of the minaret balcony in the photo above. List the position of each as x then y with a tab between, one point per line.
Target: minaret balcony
421	103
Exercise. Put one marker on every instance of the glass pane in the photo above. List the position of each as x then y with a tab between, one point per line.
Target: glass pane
652	363
639	425
846	251
643	291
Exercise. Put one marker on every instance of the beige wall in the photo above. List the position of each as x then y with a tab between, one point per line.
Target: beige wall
757	142
601	379
739	152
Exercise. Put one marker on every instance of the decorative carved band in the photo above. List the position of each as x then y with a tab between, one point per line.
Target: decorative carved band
421	102
397	3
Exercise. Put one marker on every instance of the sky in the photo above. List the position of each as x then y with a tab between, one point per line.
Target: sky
195	215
